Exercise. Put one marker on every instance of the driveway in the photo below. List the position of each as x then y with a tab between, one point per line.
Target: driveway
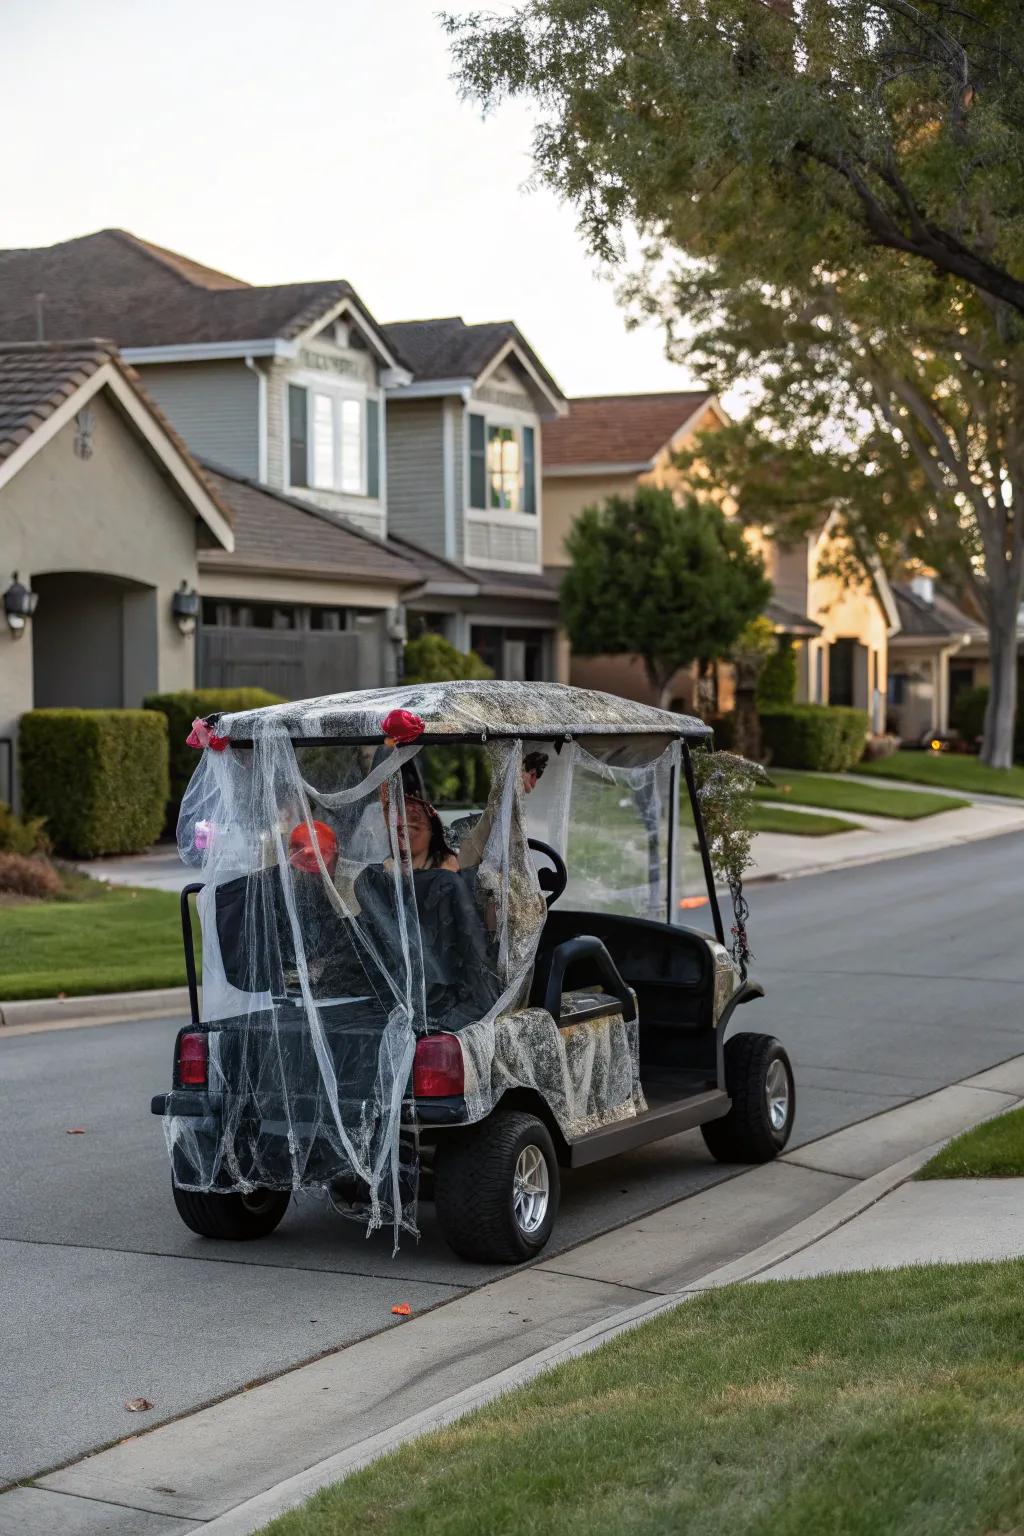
885	983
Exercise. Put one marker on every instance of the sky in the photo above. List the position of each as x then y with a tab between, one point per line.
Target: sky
286	142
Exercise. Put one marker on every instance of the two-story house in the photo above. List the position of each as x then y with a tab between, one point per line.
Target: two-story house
465	484
280	391
608	445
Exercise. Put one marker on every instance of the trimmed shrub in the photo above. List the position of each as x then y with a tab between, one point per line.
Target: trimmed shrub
967	715
180	710
451	775
22	875
817	736
98	776
21	835
776	684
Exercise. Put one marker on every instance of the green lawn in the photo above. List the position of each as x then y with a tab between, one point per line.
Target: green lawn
836	794
777	818
948	770
117	940
994	1150
885	1404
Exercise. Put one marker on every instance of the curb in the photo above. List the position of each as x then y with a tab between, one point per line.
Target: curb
882	856
250	1516
98	1008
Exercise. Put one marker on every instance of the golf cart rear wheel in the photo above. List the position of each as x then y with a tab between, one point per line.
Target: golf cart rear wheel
232	1217
759	1080
496	1188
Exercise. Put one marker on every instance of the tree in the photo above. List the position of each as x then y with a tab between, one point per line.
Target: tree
829	191
670	583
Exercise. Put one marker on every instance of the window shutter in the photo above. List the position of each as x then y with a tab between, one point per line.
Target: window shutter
373	447
298	435
477	462
529	470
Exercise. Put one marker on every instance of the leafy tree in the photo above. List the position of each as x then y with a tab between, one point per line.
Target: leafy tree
777	681
672	584
830	197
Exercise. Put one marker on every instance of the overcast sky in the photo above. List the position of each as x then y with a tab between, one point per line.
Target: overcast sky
310	139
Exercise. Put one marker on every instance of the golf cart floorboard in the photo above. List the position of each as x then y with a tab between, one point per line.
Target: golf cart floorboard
665	1116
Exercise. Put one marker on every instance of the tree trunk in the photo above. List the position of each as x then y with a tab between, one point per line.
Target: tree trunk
1001	711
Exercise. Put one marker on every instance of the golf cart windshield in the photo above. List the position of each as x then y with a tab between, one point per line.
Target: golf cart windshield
345	917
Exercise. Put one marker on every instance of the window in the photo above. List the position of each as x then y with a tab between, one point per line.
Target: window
502	467
327	433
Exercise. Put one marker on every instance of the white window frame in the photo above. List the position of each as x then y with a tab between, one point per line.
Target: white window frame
324	384
500	416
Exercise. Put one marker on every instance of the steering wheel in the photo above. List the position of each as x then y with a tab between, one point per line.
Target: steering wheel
552	881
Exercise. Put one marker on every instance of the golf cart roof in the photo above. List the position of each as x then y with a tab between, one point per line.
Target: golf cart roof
465	710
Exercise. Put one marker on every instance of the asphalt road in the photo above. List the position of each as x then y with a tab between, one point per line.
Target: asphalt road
884	982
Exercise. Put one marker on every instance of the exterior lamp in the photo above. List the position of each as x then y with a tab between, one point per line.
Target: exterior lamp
185	608
19	606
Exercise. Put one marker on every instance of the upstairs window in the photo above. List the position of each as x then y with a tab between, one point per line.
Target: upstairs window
502	467
330	447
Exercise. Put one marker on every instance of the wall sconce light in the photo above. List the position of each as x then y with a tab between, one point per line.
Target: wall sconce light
185	608
19	606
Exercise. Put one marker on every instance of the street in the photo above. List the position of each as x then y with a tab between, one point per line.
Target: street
885	982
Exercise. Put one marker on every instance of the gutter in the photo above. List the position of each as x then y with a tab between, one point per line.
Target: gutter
207	351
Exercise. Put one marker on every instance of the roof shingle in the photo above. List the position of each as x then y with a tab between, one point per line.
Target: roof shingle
941	617
113	284
618	429
448	348
36	380
275	532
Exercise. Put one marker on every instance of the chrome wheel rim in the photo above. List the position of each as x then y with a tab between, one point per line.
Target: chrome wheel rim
531	1190
776	1092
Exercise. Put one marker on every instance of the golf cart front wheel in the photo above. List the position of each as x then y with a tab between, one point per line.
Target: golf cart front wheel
496	1188
759	1080
232	1217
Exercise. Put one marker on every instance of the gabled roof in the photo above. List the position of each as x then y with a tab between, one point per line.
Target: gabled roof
279	533
940	618
113	284
449	349
625	432
43	385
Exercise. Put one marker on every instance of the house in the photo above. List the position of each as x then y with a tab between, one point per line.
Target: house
939	652
608	445
104	516
465	485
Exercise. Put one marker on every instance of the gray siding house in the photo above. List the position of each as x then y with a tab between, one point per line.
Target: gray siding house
465	488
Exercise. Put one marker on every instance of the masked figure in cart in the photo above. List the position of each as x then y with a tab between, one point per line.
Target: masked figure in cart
389	1004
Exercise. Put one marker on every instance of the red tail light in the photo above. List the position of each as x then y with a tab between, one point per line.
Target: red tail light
193	1059
437	1071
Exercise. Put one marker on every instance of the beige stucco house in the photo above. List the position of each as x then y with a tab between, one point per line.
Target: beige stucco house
608	445
103	514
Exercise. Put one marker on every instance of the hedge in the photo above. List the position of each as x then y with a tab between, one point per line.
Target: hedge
822	736
98	776
180	709
967	715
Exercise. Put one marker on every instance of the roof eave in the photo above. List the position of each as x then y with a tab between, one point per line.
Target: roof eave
607	467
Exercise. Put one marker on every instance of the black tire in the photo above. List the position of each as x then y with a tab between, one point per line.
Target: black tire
747	1134
474	1188
232	1217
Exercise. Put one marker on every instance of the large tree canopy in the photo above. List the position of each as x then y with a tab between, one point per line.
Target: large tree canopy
672	584
832	205
795	128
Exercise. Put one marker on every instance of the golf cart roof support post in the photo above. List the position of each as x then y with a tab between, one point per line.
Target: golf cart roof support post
702	844
190	950
672	883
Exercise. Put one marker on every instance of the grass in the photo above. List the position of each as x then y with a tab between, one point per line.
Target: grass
994	1150
949	770
777	818
106	939
882	1404
842	795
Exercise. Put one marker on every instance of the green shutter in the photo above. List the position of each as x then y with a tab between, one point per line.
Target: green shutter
529	470
373	447
298	435
477	462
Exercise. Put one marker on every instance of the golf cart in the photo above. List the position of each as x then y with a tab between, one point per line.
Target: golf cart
396	1005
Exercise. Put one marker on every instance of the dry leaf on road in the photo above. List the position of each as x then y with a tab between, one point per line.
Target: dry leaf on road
138	1404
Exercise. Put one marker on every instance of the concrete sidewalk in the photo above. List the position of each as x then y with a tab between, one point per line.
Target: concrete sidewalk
234	1465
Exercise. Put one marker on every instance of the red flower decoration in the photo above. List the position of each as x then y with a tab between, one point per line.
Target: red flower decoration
400	727
201	736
